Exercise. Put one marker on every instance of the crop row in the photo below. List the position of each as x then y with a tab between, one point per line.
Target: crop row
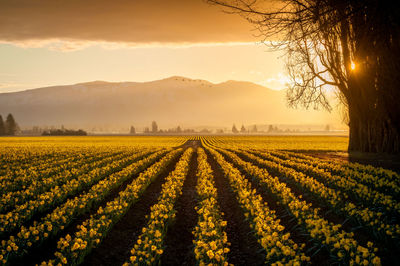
358	192
37	187
72	250
342	246
379	179
210	239
149	245
336	200
279	247
17	177
22	213
63	215
376	173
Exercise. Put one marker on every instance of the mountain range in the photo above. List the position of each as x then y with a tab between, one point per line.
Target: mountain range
172	101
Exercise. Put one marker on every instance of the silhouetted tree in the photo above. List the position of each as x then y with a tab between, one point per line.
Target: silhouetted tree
270	128
179	129
254	129
2	127
242	129
132	130
234	129
65	132
154	127
327	128
146	130
350	45
11	125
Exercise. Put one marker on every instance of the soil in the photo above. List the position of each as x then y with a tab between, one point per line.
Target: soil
179	238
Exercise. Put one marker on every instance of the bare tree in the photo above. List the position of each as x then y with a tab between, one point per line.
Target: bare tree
234	129
349	46
154	127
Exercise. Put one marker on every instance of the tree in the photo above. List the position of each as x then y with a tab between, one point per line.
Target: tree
179	129
234	129
11	125
328	128
270	128
350	45
254	129
132	130
2	127
243	129
154	127
146	130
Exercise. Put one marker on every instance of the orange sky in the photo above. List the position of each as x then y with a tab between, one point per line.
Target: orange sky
134	21
52	42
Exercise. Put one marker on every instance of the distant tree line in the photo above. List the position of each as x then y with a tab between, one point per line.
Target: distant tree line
253	129
64	132
176	130
9	127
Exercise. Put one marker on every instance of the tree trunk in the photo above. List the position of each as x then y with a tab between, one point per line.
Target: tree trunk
370	132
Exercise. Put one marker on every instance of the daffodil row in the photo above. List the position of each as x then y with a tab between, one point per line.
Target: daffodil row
358	192
381	180
72	250
278	246
23	158
210	239
149	245
342	246
64	214
37	187
19	176
26	157
377	173
22	213
334	199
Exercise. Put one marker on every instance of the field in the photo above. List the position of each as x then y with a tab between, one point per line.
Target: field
193	201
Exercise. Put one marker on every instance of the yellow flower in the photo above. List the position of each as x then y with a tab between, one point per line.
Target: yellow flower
157	233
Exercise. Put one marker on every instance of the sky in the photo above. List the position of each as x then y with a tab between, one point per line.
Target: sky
53	42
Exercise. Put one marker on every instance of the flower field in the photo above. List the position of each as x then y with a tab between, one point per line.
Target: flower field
214	200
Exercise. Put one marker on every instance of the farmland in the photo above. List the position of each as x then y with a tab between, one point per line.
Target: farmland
193	200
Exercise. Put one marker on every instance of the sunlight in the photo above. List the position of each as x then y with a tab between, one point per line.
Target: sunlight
353	66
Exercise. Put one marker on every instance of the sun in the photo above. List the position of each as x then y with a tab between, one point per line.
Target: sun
353	66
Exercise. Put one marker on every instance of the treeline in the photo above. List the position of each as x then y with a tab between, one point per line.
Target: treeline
8	127
64	132
176	130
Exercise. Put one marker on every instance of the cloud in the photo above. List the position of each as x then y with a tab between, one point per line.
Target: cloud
76	23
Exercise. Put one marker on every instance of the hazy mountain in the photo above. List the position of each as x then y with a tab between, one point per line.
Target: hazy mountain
172	101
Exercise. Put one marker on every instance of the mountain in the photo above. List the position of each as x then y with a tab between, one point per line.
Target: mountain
171	102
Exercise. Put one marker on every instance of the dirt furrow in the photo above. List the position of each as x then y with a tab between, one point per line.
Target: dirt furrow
179	239
244	249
